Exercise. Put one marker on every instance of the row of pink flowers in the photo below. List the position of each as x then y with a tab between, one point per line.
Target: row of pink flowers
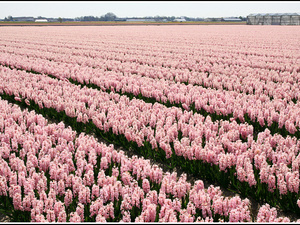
226	53
263	69
140	121
262	80
258	107
135	44
56	150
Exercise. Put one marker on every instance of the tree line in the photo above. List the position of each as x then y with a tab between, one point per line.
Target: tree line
112	17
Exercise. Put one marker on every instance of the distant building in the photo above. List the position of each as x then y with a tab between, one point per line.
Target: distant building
52	20
273	19
232	20
139	20
180	20
68	19
41	20
213	19
23	19
120	19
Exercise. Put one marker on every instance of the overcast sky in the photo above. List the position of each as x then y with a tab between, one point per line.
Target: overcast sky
69	9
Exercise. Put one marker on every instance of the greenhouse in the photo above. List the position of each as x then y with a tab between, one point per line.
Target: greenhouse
274	19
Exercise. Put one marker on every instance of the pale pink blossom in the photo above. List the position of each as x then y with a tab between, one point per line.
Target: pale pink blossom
75	218
146	185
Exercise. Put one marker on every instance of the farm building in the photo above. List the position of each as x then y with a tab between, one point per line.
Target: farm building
179	20
231	19
139	20
23	19
213	19
273	19
41	20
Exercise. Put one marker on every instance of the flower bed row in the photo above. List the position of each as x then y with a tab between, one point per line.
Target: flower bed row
276	115
136	45
48	174
228	75
266	169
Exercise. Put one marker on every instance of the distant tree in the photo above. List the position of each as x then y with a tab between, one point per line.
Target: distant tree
87	18
60	19
9	18
109	17
243	18
171	18
188	18
90	18
199	19
157	18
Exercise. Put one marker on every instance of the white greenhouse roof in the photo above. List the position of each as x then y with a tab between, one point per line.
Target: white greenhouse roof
274	14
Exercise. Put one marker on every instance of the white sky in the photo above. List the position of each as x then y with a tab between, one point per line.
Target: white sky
72	9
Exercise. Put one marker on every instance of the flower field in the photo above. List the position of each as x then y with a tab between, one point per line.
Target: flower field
220	103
